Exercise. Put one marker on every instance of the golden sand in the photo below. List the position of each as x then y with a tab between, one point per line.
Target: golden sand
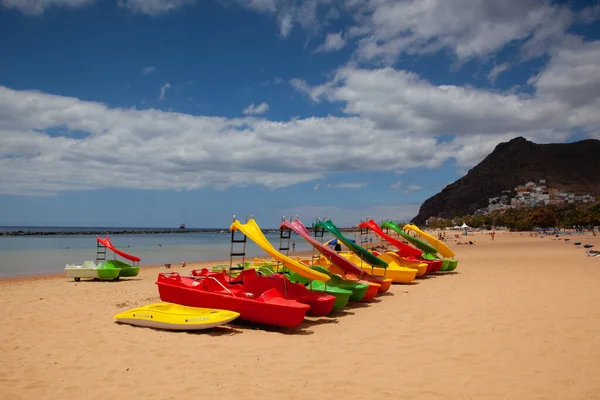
518	320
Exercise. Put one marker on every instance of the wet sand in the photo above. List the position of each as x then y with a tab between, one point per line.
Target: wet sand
517	320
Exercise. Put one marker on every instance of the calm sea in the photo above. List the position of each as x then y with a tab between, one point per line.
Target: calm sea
38	255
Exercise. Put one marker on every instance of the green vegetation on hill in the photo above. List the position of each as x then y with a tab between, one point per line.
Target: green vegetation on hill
580	216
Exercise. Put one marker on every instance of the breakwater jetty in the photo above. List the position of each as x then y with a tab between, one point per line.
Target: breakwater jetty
122	231
110	231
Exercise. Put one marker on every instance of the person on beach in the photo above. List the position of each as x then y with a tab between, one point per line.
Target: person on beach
293	246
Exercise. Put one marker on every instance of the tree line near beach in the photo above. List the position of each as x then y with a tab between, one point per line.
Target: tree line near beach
578	216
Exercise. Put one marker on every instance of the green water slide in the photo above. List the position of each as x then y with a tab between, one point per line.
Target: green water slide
363	253
418	243
429	252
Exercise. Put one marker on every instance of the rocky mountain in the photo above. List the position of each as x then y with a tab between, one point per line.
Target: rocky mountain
569	166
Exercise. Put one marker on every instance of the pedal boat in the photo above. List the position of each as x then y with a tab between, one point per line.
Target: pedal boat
342	296
176	317
361	291
341	278
249	280
421	266
267	307
90	270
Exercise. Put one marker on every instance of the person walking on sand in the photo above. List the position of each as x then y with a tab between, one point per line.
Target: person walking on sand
293	246
493	234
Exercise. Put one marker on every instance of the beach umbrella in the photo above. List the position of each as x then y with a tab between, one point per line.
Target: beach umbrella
334	241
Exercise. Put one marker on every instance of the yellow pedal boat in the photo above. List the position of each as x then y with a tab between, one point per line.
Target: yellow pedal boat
388	256
176	317
394	271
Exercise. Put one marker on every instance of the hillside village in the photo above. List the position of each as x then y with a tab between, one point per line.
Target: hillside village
533	194
530	194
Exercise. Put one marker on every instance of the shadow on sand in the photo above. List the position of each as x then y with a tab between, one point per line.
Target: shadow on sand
224	330
98	280
248	326
304	327
405	284
442	273
353	305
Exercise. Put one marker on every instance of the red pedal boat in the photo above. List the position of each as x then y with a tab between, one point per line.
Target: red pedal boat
251	301
432	265
404	250
320	304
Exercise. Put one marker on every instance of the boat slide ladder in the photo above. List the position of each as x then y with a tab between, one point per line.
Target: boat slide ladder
319	234
285	235
236	252
100	252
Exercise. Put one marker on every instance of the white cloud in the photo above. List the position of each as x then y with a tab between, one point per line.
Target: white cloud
262	5
285	24
255	110
163	90
289	13
148	70
469	28
412	188
37	7
566	96
152	149
333	42
341	185
589	14
153	7
398	99
392	118
385	29
395	107
572	78
497	70
396	185
315	92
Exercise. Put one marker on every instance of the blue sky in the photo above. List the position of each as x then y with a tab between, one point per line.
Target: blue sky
161	112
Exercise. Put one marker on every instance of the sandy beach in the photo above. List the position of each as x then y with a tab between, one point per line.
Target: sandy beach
517	320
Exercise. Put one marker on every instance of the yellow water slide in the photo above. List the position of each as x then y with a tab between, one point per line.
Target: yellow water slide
438	244
254	233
